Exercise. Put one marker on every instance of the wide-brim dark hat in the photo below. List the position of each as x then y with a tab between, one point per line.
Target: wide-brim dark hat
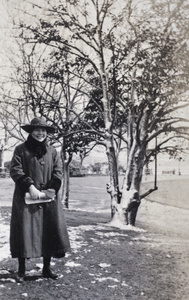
38	122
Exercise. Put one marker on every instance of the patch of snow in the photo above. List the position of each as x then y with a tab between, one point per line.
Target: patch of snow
95	240
79	257
142	293
72	264
75	235
4	252
107	278
148	254
120	225
67	255
76	241
2	286
8	280
39	279
4	272
31	272
86	250
4	238
39	265
81	287
124	284
25	294
110	234
104	265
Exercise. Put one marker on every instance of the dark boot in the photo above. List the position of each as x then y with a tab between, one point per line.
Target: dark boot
21	270
47	272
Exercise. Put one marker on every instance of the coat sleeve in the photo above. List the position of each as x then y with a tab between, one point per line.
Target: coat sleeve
17	173
55	182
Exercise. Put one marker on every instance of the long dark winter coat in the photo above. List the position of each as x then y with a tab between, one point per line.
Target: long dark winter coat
38	229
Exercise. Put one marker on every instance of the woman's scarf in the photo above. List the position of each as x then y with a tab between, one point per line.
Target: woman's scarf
36	147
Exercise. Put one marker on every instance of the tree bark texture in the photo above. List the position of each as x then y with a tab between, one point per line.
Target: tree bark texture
130	200
66	184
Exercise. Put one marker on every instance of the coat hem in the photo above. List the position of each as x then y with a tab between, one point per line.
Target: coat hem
58	254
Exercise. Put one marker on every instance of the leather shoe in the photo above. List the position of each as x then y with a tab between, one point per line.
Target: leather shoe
47	273
20	277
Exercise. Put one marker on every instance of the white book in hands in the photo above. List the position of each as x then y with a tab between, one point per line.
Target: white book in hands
44	196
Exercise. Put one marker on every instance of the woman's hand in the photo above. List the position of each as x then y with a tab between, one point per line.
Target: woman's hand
34	193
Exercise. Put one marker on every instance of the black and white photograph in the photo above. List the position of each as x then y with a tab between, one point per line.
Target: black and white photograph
94	149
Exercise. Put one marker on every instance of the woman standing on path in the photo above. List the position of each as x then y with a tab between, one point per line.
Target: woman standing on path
39	229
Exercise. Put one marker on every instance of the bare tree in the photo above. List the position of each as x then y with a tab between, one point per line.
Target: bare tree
135	59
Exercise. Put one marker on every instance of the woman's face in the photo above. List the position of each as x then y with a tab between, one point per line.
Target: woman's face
39	134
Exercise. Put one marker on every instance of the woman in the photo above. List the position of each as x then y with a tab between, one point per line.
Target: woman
39	229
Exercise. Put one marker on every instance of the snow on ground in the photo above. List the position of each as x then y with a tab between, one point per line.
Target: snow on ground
77	241
100	233
4	240
158	215
76	237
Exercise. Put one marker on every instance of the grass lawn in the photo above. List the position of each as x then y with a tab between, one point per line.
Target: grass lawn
90	192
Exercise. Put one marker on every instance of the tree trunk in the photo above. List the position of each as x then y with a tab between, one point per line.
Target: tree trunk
2	155
113	185
130	200
1	159
66	160
66	185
